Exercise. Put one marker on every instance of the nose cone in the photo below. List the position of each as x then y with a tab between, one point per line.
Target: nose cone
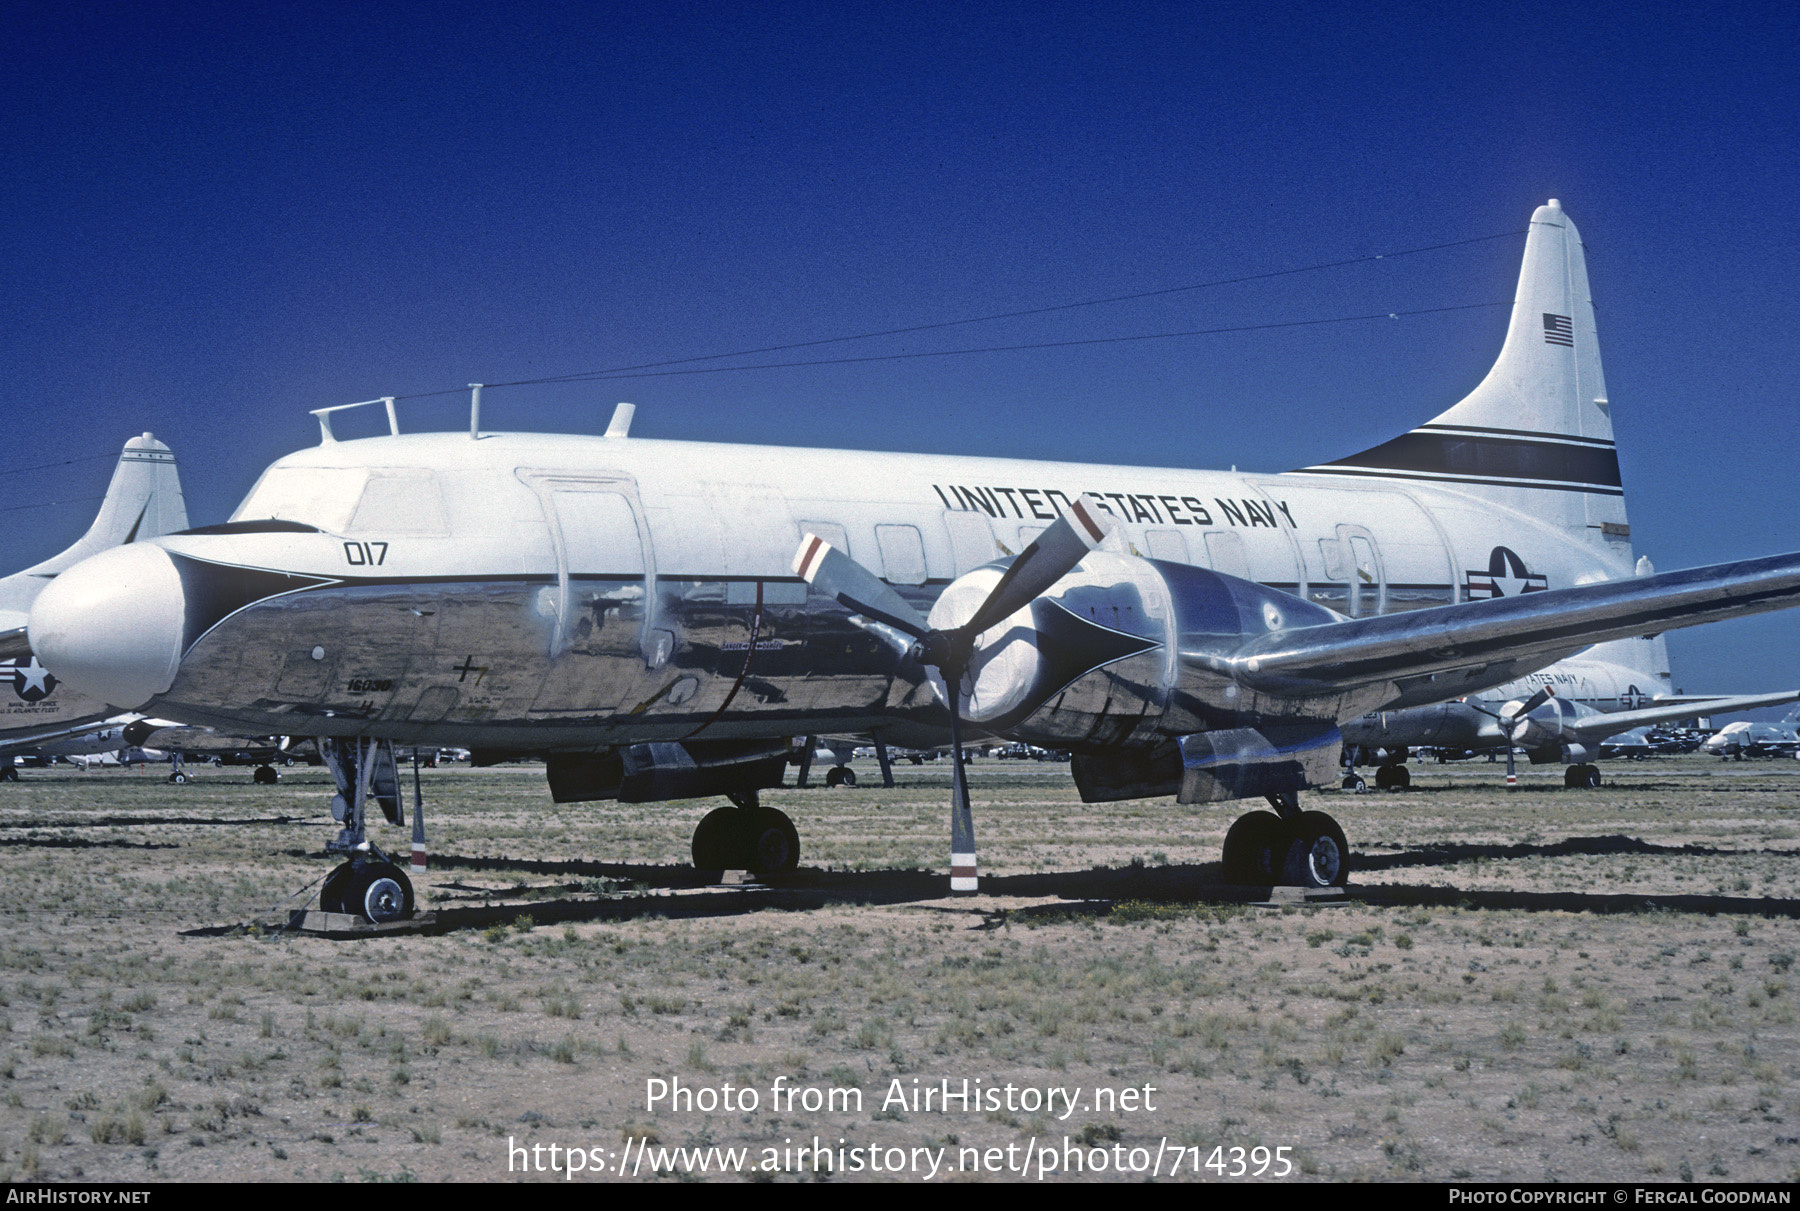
111	626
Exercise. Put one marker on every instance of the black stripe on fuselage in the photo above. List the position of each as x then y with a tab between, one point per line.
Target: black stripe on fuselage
1488	458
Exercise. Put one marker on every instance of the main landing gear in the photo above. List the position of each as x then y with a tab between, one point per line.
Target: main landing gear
840	775
1291	848
746	836
1582	777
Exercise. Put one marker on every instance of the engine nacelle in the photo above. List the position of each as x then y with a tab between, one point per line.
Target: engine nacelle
1127	652
1546	724
653	773
1126	663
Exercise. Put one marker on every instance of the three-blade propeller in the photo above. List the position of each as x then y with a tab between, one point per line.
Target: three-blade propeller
1050	557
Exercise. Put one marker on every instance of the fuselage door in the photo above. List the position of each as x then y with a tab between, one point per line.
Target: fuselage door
1367	579
604	561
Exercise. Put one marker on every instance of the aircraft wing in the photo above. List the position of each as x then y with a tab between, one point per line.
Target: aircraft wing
1341	656
1602	726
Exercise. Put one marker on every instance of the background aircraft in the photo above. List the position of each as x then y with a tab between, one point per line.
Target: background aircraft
1750	739
1560	714
143	500
638	610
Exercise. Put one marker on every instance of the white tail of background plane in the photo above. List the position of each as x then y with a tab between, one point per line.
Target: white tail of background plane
1536	435
143	501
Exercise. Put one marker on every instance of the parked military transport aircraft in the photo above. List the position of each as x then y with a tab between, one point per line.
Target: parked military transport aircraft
142	501
1560	714
662	618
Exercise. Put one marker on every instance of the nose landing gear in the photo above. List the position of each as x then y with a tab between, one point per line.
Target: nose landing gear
370	884
372	888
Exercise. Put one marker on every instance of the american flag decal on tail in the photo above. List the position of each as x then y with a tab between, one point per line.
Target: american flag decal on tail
1558	330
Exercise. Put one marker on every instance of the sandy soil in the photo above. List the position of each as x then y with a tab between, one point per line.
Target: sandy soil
1528	985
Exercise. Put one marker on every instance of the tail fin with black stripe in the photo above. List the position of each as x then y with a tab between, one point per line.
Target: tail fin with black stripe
1536	435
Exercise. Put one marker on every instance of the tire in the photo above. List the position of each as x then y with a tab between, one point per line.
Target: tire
834	776
847	778
331	893
379	893
771	844
9	774
1392	777
1355	784
1253	848
265	775
178	779
716	840
1317	854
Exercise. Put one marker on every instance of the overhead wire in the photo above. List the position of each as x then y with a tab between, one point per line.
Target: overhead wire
1098	340
631	370
67	462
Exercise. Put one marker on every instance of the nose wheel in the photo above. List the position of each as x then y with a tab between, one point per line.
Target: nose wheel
377	891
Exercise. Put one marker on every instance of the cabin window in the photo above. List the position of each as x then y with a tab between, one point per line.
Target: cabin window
1166	544
830	531
902	554
971	541
1225	552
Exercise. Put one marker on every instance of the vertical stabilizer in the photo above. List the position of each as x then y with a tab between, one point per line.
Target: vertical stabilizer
143	501
1536	435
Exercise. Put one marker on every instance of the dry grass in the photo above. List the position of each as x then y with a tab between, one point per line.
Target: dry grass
1536	985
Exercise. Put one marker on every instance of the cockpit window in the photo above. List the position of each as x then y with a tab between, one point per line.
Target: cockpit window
400	500
325	497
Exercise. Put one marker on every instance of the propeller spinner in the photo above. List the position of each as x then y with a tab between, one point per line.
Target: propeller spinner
1050	557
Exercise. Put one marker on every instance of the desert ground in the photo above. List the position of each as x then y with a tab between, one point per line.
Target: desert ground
1530	985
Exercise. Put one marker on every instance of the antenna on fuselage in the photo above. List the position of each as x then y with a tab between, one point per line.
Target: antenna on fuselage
475	412
621	421
326	436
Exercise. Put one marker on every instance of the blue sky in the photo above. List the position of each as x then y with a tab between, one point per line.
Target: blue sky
215	217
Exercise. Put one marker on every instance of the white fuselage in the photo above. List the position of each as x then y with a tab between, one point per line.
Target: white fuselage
608	589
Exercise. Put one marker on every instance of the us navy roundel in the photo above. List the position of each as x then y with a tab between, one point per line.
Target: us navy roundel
1505	576
30	681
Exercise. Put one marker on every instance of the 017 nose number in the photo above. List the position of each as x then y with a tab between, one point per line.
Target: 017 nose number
366	554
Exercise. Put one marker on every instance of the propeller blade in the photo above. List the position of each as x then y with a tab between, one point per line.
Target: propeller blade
1512	779
1532	703
1518	724
836	575
1047	560
963	878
